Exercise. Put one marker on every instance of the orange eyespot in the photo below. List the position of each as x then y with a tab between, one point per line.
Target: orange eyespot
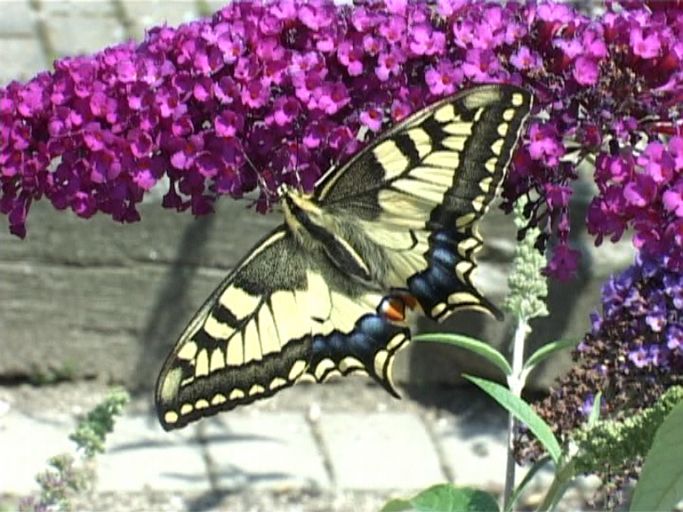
409	300
394	309
394	306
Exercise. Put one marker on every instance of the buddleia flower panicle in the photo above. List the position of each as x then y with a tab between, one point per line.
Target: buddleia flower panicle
615	443
632	355
261	94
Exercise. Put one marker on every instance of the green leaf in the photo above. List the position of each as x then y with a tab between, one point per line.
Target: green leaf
546	351
660	486
594	416
397	505
473	345
538	465
445	498
524	413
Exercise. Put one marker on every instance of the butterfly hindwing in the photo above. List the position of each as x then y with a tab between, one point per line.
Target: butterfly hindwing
411	200
370	347
282	313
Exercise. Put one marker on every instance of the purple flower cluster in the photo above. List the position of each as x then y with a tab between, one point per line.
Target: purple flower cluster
632	354
645	192
268	93
609	86
651	298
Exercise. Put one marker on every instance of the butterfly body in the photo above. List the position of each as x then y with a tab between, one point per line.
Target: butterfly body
327	292
337	235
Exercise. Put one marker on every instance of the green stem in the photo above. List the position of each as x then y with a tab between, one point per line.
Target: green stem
516	384
563	477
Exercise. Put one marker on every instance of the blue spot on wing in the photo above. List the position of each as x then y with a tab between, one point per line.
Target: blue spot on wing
371	333
441	278
442	237
445	257
434	285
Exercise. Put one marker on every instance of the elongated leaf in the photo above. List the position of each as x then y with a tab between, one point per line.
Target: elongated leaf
397	505
594	416
473	345
546	351
523	412
538	465
660	486
445	498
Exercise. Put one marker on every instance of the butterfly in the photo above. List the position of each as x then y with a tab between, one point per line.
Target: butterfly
327	292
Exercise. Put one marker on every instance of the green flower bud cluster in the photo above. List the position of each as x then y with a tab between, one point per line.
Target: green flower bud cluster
617	443
92	431
528	286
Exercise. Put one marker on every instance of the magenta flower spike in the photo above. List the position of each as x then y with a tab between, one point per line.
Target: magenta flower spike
264	93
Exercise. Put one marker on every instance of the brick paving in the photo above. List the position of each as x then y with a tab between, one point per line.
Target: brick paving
298	444
252	448
389	450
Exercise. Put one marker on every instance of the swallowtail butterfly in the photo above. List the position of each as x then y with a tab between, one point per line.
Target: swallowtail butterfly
326	293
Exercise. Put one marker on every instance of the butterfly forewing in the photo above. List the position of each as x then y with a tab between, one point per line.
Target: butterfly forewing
417	192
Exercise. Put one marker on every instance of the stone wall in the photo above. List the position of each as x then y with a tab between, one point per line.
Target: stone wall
97	298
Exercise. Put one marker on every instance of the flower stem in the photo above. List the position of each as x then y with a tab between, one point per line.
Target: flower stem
557	488
516	384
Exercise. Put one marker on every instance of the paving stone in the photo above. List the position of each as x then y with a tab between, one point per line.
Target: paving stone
575	497
79	34
26	443
474	450
22	59
17	18
141	455
380	451
265	450
144	14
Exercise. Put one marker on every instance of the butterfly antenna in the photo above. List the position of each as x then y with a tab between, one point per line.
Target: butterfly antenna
261	182
296	153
